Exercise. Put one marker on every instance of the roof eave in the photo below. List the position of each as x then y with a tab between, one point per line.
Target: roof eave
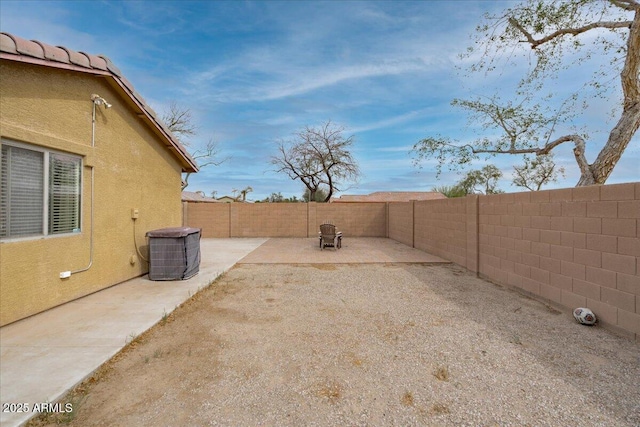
188	164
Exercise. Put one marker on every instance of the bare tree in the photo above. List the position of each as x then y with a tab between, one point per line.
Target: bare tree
206	156
319	157
297	163
552	30
180	122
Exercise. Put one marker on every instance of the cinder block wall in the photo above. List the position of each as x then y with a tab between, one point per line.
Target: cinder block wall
441	228
401	222
285	219
574	247
213	218
354	219
268	219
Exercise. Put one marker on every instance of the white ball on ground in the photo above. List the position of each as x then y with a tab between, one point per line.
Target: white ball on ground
584	316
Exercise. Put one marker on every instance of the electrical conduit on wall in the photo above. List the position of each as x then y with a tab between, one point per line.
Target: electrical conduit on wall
95	100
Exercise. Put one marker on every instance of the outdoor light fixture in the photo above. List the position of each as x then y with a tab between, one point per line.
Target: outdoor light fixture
98	100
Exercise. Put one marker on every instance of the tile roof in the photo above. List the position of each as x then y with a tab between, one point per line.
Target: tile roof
197	196
389	196
15	48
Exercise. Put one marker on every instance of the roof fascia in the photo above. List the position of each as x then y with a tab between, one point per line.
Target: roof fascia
187	162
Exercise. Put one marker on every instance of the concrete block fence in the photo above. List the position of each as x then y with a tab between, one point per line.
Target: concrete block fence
574	247
285	219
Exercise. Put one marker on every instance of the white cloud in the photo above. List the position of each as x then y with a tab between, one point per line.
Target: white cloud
391	121
277	80
254	72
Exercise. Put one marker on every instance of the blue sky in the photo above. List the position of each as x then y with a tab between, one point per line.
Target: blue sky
253	73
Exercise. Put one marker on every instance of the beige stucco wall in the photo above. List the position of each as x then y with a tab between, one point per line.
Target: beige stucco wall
132	169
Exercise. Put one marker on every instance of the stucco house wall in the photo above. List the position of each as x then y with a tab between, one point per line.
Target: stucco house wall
132	167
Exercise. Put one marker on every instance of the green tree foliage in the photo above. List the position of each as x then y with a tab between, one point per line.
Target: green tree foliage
483	181
536	172
450	190
555	37
320	196
275	198
279	198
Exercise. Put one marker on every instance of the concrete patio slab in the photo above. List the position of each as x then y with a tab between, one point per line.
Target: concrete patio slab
45	355
359	250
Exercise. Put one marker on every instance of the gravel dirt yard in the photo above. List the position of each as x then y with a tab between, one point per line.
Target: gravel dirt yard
363	345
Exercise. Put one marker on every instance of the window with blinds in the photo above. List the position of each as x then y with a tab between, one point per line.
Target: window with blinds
64	194
39	192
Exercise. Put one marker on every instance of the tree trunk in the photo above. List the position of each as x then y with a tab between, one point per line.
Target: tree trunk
330	192
629	122
618	140
185	181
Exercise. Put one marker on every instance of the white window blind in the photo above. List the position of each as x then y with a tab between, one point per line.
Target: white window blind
22	200
64	194
40	191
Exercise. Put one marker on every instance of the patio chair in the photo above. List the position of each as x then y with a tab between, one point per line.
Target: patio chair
329	237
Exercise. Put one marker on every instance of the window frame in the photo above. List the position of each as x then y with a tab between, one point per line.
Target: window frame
46	183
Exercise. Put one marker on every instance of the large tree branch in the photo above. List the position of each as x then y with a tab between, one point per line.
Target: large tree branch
629	5
566	31
179	122
547	27
629	121
618	141
205	157
578	151
630	74
296	164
